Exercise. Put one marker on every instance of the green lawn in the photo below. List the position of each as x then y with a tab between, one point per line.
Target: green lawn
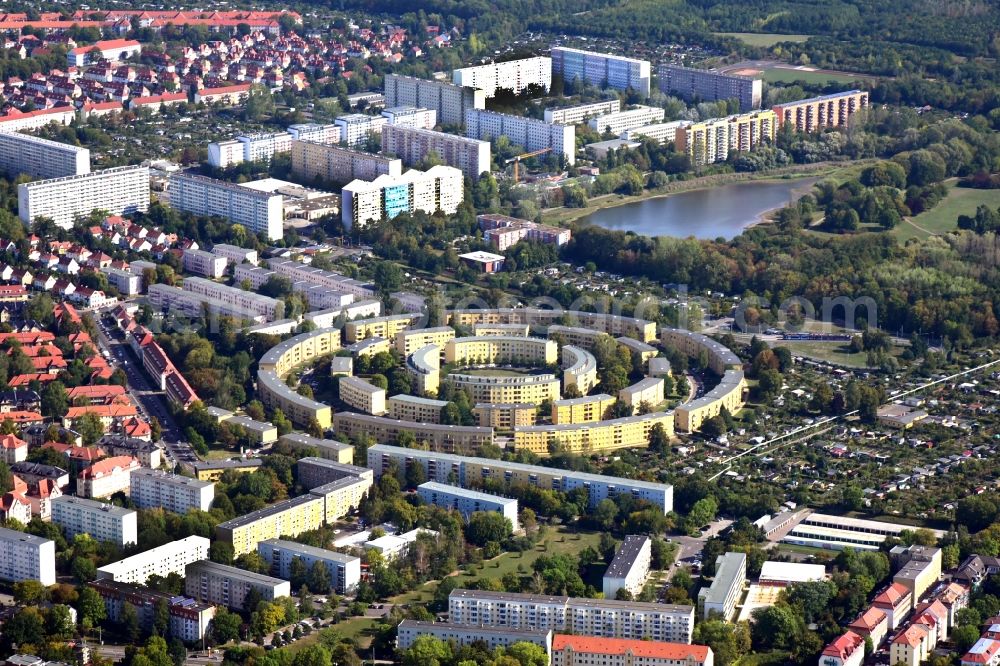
785	75
763	39
944	217
832	352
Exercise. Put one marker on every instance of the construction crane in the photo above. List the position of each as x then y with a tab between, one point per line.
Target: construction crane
517	160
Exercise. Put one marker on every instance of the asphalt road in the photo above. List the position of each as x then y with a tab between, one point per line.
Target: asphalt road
150	401
689	547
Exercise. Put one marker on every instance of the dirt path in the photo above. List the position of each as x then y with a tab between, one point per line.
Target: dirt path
913	224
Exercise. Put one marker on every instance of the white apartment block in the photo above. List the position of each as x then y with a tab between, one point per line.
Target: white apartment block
361	395
26	557
355	128
174	301
440	188
127	284
204	263
153	488
41	158
574	115
228	586
605	618
103	522
344	570
601	69
248	301
318	296
263	147
528	133
161	561
235	254
259	212
412	145
450	101
329	134
411	116
514	75
312	161
662	133
467	502
630	567
409	630
117	191
296	270
709	86
224	154
727	587
616	123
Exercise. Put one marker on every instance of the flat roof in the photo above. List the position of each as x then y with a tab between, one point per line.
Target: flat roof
175	479
9	535
728	567
523	467
863	525
482	630
210	567
226	464
481	256
626	556
308	440
346	468
458	491
564	427
312	551
418	400
570	402
278	507
93	505
791	572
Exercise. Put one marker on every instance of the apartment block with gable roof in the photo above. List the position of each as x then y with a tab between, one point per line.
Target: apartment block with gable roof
107	477
845	650
985	652
570	650
896	602
911	646
873	623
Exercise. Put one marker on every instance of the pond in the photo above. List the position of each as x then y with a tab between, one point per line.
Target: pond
723	211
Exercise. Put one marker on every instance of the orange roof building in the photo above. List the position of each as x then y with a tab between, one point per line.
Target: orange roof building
873	623
107	477
13	449
896	601
577	650
845	650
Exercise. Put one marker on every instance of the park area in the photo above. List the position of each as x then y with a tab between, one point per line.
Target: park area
556	541
944	217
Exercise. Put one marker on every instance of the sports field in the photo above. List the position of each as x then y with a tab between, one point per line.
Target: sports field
763	39
788	75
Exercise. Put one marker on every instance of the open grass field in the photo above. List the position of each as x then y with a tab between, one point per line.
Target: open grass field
831	352
763	39
785	75
944	217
